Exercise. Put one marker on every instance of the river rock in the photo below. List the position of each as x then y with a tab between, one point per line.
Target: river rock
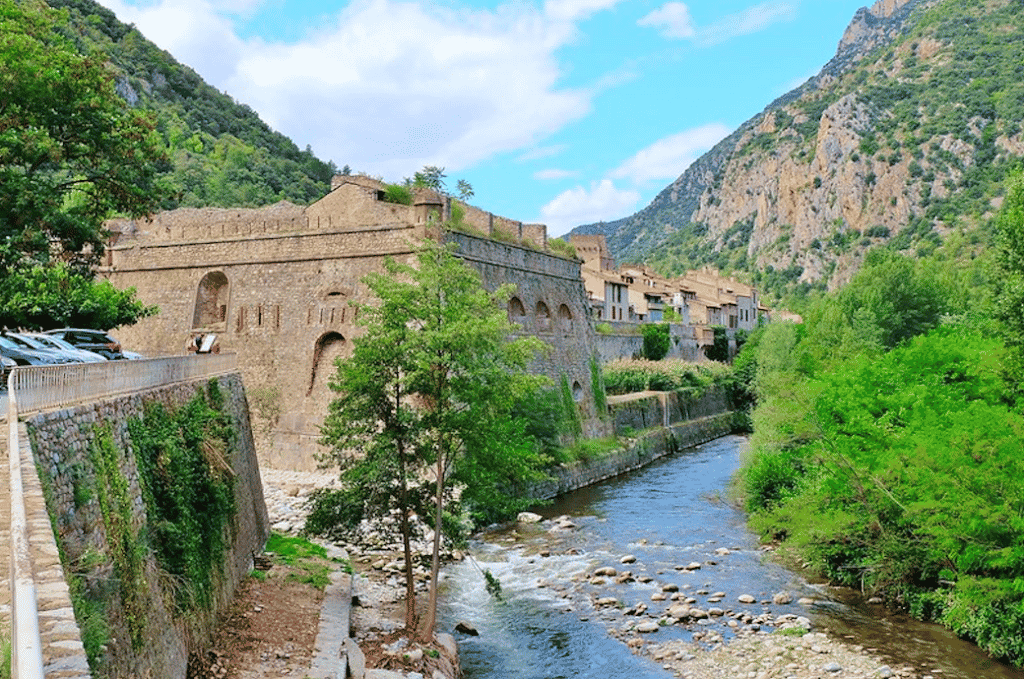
698	614
529	517
679	611
648	627
607	601
629	558
718	595
782	598
383	674
464	627
692	566
671	587
607	570
717	612
447	642
833	667
885	672
723	551
746	599
658	596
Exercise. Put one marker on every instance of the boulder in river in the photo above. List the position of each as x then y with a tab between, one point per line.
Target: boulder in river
466	628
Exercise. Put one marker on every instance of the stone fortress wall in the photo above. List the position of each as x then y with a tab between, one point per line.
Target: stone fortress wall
275	284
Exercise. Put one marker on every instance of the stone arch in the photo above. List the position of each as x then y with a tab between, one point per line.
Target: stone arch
564	318
329	346
211	300
516	311
577	392
543	315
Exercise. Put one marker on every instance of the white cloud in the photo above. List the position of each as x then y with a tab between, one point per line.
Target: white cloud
388	86
751	20
667	158
540	152
673	19
574	10
602	201
554	173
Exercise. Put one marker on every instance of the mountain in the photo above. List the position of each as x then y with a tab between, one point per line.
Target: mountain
221	153
902	140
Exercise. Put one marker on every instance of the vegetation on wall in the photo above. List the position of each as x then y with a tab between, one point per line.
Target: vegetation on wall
187	489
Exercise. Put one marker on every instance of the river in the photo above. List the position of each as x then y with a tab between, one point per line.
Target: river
670	513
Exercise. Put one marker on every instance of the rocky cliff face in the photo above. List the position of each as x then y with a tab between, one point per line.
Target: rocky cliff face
903	137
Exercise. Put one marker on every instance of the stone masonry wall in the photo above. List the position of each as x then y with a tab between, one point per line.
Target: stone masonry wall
691	422
550	291
275	285
61	442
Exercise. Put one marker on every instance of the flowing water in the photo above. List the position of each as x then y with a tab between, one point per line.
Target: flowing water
668	514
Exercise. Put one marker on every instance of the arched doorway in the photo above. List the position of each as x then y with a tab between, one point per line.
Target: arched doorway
211	310
330	346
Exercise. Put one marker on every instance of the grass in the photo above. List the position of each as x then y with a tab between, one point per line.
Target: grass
5	657
307	560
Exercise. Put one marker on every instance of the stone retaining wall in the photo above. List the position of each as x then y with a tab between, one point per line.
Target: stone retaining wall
61	443
640	452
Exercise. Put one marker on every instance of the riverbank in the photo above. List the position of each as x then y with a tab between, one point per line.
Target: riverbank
766	653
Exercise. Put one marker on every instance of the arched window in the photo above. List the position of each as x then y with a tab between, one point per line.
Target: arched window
329	347
543	315
516	312
564	318
211	301
577	392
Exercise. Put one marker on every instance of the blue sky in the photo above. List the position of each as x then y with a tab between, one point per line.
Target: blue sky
563	112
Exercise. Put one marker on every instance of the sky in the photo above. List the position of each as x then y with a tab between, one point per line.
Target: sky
562	112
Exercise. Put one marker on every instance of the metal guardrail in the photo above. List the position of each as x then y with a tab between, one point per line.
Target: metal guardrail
45	387
57	386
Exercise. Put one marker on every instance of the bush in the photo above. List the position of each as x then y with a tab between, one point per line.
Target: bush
397	193
656	341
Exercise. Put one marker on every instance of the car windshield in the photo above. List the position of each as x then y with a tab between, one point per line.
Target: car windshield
18	342
8	342
54	342
31	342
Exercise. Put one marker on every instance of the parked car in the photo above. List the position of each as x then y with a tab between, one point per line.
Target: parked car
68	349
93	340
23	354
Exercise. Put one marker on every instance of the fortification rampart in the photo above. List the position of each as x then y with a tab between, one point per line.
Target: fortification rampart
548	302
66	446
281	298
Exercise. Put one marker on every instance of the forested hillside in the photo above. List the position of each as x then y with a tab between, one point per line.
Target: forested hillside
220	152
887	436
903	141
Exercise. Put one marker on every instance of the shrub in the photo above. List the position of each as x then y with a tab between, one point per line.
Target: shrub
397	193
656	341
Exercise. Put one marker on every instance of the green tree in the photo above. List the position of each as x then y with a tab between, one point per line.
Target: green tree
465	189
430	177
439	386
1009	285
719	351
372	429
54	296
656	341
72	153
